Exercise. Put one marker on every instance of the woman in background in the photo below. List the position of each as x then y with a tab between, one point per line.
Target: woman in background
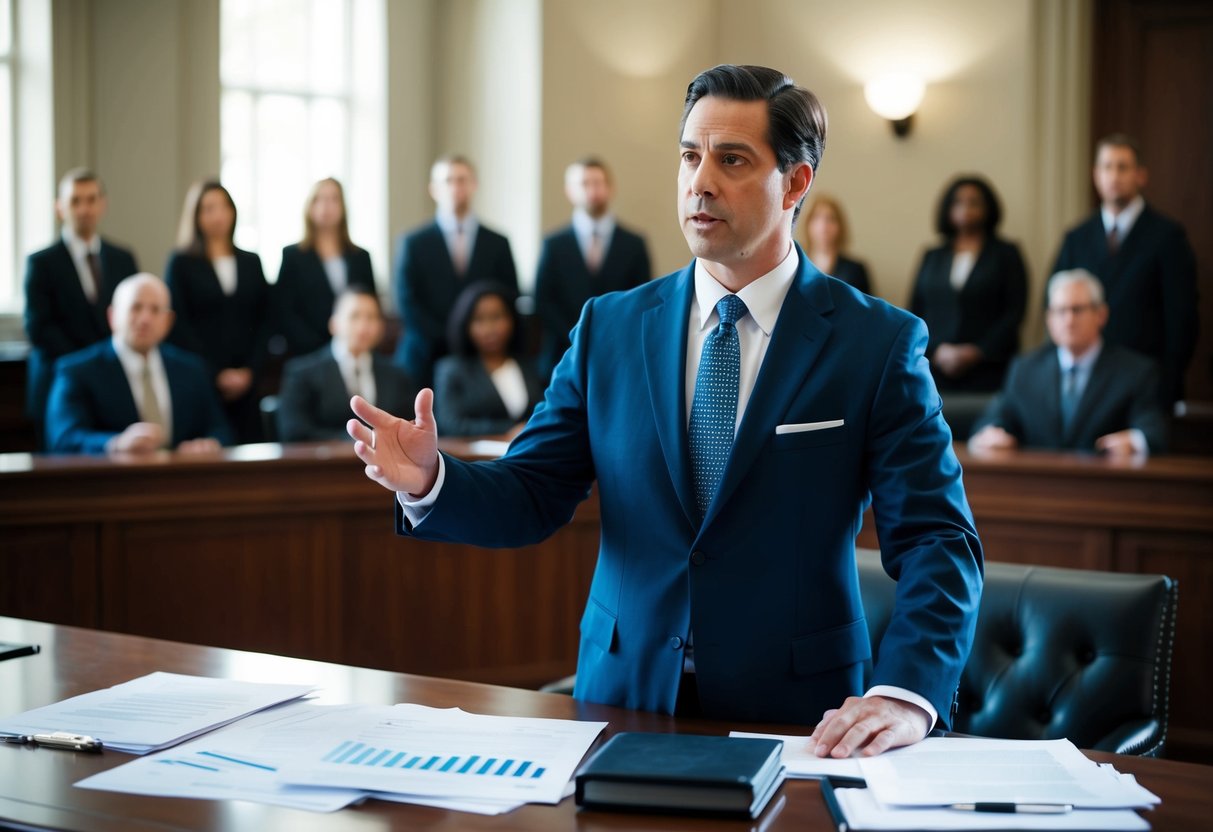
319	268
826	237
971	291
486	386
221	301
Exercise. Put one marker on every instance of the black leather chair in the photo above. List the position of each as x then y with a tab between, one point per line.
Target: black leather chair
1069	653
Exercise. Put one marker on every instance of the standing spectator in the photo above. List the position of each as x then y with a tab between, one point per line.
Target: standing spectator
222	302
827	234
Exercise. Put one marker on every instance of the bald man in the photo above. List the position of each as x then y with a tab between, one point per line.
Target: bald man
132	393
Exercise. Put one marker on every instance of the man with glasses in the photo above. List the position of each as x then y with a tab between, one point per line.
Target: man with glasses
1078	392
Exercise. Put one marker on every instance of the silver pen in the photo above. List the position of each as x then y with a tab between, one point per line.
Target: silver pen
1015	808
57	739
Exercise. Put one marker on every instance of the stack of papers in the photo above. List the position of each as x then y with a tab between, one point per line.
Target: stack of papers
800	763
323	758
153	712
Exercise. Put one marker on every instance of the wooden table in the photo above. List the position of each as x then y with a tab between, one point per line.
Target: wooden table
36	784
292	550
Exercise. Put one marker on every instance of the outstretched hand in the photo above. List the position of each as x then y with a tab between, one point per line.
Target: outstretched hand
400	455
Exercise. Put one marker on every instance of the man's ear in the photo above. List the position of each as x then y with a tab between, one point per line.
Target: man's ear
800	179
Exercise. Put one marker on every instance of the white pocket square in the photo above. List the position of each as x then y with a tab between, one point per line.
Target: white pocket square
805	427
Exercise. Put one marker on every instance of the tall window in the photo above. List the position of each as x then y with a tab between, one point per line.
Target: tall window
303	98
9	268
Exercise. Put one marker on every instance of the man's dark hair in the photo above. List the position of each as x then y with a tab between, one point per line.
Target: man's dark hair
359	291
796	128
1120	140
943	213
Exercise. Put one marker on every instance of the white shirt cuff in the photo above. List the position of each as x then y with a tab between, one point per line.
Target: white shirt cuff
417	510
893	692
1140	445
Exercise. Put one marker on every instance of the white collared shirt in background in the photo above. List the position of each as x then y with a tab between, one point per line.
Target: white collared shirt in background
357	373
80	250
584	227
132	365
449	225
225	270
336	270
511	386
1123	221
962	266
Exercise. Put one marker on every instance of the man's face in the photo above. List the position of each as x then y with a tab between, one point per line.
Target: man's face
452	186
733	203
81	206
588	188
1074	320
1118	177
356	322
140	315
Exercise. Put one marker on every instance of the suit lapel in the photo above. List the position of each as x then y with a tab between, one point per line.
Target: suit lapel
1052	395
800	333
117	380
664	337
1094	392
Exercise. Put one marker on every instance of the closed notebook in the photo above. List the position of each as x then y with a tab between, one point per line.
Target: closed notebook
684	773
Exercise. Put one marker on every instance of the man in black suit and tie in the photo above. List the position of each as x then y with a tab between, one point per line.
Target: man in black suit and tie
1147	267
68	286
591	256
314	403
1082	394
436	261
132	393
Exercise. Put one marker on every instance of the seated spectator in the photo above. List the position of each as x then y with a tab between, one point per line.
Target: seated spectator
317	269
970	291
314	403
485	387
1082	394
132	393
826	237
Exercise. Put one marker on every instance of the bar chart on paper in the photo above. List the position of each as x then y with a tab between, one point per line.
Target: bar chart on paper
354	753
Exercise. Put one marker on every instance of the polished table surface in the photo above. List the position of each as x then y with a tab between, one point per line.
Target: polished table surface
36	784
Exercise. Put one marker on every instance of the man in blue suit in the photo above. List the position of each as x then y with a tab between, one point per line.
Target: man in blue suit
592	255
738	417
438	261
132	393
68	286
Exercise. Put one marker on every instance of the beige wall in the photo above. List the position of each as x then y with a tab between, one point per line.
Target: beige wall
525	86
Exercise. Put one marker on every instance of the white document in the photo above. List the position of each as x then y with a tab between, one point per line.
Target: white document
153	711
802	763
239	762
940	771
429	752
863	813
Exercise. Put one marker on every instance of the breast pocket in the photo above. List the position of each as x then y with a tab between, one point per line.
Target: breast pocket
810	438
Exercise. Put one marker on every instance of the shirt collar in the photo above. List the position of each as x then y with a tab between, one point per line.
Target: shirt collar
346	359
1125	219
448	222
78	247
132	362
1084	362
585	225
763	297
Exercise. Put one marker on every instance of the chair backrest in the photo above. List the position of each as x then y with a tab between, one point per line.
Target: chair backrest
1058	653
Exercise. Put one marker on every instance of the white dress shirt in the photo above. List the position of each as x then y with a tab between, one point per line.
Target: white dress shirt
1124	220
450	224
336	270
584	227
80	250
225	270
511	386
357	373
763	299
132	365
962	267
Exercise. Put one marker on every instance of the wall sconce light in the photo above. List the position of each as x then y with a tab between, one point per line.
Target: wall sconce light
895	97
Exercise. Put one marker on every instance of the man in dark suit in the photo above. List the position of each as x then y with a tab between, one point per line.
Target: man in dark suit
1077	392
1147	267
69	285
435	262
738	417
314	403
132	393
591	256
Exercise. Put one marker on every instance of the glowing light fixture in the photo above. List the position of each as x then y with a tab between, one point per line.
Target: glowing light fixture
896	97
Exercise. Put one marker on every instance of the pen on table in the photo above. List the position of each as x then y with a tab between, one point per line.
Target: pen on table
59	739
831	800
1015	808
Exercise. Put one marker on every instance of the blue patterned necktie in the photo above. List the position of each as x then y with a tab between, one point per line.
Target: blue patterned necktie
714	408
1069	397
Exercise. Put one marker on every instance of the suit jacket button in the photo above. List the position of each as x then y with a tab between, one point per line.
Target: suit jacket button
698	558
676	642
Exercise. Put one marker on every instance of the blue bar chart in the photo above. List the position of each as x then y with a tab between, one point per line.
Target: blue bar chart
352	753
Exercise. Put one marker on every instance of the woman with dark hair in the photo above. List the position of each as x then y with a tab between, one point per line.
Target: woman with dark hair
319	268
826	237
485	386
222	302
971	291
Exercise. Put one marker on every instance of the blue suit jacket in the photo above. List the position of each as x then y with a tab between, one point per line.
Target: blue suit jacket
91	400
767	583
